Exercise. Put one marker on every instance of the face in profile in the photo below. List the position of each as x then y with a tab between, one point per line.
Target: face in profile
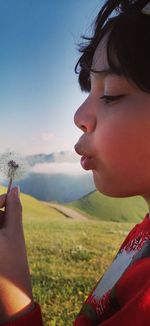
115	120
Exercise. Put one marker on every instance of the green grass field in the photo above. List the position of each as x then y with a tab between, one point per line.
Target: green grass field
66	257
103	208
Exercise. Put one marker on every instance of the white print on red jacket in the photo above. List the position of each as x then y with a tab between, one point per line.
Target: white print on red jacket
136	248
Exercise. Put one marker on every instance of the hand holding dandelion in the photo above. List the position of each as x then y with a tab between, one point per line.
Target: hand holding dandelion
15	279
12	166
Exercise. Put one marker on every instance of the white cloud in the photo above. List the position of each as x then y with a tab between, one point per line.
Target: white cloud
51	168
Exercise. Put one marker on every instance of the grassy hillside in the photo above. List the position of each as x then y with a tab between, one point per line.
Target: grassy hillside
101	207
66	257
33	208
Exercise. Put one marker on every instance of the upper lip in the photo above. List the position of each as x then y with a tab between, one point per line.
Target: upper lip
80	151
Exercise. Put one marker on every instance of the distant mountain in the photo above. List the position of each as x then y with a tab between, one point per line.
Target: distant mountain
63	186
55	187
101	207
56	157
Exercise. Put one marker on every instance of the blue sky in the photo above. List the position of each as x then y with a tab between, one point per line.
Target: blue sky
39	92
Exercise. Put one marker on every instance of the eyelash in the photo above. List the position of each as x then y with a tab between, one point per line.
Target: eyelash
109	99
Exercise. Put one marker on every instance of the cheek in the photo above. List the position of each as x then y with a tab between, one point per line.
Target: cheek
119	145
116	155
122	150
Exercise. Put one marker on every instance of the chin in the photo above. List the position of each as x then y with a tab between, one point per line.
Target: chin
102	187
110	189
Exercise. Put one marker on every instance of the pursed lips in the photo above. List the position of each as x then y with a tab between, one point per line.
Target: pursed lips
87	161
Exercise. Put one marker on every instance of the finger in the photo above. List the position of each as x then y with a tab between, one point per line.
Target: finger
13	211
3	200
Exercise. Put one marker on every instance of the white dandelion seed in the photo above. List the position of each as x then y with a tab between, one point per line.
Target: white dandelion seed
12	167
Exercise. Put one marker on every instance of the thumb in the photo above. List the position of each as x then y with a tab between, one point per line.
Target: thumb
13	211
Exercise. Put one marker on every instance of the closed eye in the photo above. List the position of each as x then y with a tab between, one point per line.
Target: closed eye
108	98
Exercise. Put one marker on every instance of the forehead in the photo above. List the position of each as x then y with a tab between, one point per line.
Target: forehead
100	61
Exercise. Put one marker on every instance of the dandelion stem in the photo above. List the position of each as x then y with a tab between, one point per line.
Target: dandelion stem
9	186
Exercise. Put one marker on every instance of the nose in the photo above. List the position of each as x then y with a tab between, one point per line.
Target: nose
84	117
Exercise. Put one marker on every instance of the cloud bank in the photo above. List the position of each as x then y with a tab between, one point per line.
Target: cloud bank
55	168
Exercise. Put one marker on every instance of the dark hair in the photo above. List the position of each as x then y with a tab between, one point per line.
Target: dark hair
128	42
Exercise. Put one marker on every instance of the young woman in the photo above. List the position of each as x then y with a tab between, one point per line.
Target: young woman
115	119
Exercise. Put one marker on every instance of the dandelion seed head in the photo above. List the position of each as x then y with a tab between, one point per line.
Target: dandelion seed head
13	165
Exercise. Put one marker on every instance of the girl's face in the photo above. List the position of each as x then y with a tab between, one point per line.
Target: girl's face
115	143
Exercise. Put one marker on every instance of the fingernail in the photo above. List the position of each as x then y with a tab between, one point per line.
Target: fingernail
16	190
